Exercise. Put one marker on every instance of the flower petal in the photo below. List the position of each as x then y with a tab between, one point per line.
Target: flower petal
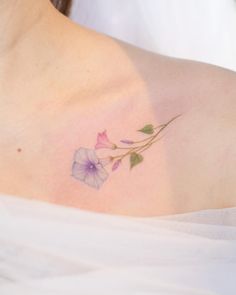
105	161
116	164
103	141
103	135
79	171
91	155
99	180
101	172
93	177
91	180
81	156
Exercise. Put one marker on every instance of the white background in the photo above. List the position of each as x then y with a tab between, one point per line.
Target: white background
203	30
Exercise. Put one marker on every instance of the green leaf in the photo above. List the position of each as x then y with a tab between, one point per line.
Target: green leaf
135	159
148	129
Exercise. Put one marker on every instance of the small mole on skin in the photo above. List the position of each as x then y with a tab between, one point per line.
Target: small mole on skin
19	150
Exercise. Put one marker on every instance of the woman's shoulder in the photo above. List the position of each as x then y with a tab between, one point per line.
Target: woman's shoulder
119	62
192	165
204	141
171	80
181	73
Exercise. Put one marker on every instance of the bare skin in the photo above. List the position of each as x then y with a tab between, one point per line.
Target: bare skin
61	84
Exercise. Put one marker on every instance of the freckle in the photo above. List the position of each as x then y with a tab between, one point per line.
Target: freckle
19	150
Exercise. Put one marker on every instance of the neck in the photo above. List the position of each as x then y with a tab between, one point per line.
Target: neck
33	40
38	48
17	19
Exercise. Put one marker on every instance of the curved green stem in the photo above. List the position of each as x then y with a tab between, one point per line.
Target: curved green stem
149	143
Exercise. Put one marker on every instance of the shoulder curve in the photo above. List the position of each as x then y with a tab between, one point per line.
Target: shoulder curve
159	65
186	82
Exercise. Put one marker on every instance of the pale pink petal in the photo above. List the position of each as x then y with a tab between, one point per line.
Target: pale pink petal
100	145
103	141
103	135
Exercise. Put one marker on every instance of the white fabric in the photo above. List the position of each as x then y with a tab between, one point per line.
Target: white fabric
51	249
202	30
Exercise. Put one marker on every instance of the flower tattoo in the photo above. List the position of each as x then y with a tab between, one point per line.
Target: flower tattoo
89	168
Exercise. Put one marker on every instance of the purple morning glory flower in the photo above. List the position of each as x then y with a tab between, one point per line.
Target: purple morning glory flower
88	168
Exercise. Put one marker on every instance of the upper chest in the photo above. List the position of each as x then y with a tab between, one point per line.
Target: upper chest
188	167
38	152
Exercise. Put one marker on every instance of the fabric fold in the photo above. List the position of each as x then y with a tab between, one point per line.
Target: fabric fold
52	249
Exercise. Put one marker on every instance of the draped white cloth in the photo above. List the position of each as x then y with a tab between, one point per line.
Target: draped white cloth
51	249
202	30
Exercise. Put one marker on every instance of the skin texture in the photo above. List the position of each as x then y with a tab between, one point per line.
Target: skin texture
61	84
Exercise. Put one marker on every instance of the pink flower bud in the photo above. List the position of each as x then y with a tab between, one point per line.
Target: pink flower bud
104	142
116	164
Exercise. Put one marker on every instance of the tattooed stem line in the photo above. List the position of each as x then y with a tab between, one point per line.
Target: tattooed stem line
163	126
88	168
